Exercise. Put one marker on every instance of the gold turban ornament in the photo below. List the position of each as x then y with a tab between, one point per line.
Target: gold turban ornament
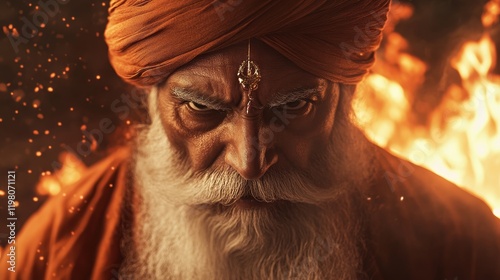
332	39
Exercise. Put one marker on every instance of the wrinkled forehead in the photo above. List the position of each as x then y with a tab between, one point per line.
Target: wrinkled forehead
222	66
231	58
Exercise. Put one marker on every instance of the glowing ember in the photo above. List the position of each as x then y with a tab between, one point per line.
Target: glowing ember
491	13
48	185
17	95
461	142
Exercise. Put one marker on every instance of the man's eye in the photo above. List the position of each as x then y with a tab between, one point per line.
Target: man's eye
198	107
296	105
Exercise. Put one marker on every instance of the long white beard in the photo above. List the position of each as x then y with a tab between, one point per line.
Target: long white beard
186	226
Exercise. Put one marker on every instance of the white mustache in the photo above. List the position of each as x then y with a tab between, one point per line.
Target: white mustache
226	186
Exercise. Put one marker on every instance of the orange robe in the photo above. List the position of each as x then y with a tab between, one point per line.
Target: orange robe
419	227
74	234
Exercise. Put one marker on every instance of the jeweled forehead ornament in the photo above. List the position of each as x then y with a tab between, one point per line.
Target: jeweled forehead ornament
249	78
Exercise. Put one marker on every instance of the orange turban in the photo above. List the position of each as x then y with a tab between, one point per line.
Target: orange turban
332	39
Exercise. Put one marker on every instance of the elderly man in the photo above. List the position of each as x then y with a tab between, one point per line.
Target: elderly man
251	167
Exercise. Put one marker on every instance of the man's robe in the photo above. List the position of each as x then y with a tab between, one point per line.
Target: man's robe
420	226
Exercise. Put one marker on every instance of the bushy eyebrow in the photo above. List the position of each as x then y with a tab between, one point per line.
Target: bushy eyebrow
278	99
283	97
196	96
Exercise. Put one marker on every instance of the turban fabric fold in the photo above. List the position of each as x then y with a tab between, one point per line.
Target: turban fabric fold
332	39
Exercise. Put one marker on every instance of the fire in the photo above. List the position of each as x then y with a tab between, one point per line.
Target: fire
461	142
71	171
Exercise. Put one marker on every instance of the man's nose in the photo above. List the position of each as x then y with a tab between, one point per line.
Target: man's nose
250	150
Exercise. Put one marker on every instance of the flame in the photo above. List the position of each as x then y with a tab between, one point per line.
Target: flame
70	172
461	142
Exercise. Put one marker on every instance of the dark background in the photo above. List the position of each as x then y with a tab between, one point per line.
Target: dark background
72	39
33	98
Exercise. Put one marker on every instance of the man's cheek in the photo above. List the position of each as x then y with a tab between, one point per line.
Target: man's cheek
297	151
171	120
198	150
171	123
177	141
205	152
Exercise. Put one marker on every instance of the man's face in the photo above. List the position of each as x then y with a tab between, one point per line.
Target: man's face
203	111
220	191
